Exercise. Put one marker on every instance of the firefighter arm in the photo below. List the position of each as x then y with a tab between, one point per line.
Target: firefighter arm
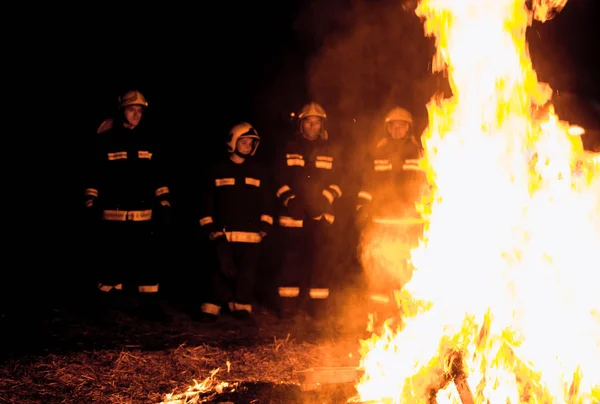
268	207
333	190
206	211
284	193
363	206
162	193
332	193
365	195
91	196
91	192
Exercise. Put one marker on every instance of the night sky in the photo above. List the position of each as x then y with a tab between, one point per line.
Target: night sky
204	66
203	69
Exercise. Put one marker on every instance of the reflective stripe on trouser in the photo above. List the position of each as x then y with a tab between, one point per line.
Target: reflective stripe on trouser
289	291
210	309
234	306
108	288
318	293
148	288
380	298
239	289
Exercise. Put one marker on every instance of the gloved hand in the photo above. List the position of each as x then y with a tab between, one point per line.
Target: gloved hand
225	257
296	208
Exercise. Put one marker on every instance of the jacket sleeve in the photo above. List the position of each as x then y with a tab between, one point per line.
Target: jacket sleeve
365	191
268	202
91	190
283	177
162	192
206	208
333	190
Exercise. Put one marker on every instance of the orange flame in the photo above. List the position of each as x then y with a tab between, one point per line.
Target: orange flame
507	272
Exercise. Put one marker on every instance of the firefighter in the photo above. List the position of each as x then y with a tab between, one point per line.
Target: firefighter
236	214
387	215
307	191
127	193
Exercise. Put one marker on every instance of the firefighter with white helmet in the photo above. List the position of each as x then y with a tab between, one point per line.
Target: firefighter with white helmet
235	215
389	222
127	191
308	186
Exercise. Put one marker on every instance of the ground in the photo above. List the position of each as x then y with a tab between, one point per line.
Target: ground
61	354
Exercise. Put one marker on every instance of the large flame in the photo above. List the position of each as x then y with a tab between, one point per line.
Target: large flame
508	271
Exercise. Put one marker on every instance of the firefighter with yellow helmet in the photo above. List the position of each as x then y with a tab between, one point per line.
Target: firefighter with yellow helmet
308	186
128	194
235	215
389	222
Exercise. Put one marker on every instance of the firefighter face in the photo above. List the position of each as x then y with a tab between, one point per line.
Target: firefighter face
244	145
398	129
311	127
133	115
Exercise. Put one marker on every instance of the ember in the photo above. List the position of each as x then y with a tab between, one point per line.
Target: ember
506	271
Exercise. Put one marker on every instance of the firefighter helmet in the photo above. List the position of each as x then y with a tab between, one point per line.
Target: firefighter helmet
242	129
399	114
314	109
132	97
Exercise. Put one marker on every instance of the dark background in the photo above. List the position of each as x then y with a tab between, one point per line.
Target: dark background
203	67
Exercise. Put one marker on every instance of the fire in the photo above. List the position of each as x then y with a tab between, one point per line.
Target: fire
506	276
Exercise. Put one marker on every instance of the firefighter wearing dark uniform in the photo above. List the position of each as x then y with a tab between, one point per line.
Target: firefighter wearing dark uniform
128	193
307	189
236	214
389	221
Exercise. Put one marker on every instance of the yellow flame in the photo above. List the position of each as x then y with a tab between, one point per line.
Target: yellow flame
507	273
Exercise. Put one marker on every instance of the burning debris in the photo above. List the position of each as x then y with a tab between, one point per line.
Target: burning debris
501	306
201	391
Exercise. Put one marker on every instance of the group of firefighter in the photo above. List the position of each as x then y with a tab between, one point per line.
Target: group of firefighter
242	202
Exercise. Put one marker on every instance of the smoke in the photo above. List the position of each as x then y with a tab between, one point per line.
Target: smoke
367	57
372	56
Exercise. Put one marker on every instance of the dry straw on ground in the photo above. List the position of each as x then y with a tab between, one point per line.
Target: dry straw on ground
136	376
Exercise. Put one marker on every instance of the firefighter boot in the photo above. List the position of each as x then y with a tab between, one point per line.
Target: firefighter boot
150	308
242	312
208	313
